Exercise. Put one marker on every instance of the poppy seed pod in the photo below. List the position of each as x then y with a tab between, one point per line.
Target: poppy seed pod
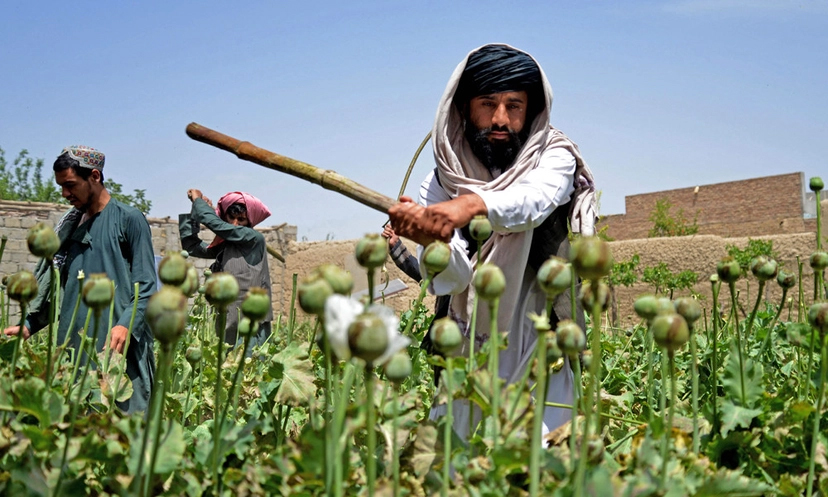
446	336
591	257
595	292
312	293
816	184
554	276
646	306
670	331
398	368
571	338
97	291
43	241
714	278
586	360
489	281
763	267
371	251
367	337
207	272
689	309
193	354
245	327
340	280
166	314
21	286
184	254
728	269
786	279
436	257
221	290
818	316
480	228
256	304
172	270
190	285
553	351
819	260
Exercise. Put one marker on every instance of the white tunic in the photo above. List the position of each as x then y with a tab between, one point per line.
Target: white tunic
520	207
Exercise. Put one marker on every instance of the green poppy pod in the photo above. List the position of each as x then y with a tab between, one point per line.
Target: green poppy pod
646	306
436	257
193	354
728	269
819	260
553	350
367	337
665	306
256	304
714	278
341	281
166	314
184	254
571	338
21	286
43	241
97	291
191	283
763	267
594	292
591	257
172	270
221	290
480	228
554	276
398	367
785	279
207	272
312	293
489	281
816	184
371	251
689	309
586	360
446	336
245	326
670	331
818	316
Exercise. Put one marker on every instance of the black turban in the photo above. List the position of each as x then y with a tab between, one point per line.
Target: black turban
495	69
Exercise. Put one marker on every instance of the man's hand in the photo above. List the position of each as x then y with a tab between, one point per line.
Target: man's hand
13	330
388	232
193	194
435	222
119	338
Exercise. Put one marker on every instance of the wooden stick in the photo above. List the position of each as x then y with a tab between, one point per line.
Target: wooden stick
330	180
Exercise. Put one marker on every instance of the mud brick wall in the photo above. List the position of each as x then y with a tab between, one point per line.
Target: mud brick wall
17	217
755	207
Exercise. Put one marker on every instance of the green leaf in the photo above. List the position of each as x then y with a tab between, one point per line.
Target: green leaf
732	483
171	450
32	398
752	374
296	372
734	415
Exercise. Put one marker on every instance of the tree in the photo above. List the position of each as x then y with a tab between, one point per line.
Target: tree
665	224
623	273
23	181
665	280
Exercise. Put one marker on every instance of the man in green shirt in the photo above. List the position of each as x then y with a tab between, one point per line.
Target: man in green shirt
100	235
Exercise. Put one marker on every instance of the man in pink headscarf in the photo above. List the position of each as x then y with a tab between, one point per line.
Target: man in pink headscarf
237	248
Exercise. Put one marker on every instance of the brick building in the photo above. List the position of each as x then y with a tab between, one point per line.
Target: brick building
771	205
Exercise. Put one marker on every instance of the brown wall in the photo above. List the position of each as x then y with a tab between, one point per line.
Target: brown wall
754	207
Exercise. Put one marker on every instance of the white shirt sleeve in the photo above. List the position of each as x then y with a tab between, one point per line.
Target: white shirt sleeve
458	274
525	205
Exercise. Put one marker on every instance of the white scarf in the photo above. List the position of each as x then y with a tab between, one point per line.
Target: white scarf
458	168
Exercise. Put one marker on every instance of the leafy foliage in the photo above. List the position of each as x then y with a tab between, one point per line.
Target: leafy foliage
754	247
664	280
667	224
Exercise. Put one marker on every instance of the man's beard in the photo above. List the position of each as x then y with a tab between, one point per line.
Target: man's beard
497	156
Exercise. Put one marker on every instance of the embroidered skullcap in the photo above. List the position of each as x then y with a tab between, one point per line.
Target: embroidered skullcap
87	157
495	69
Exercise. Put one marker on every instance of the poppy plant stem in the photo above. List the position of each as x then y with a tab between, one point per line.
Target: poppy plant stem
735	312
819	405
448	373
494	369
668	431
221	322
371	464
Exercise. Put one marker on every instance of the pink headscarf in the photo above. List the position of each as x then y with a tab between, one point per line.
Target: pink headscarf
256	210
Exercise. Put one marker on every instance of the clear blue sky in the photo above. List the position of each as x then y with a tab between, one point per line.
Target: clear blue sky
658	94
